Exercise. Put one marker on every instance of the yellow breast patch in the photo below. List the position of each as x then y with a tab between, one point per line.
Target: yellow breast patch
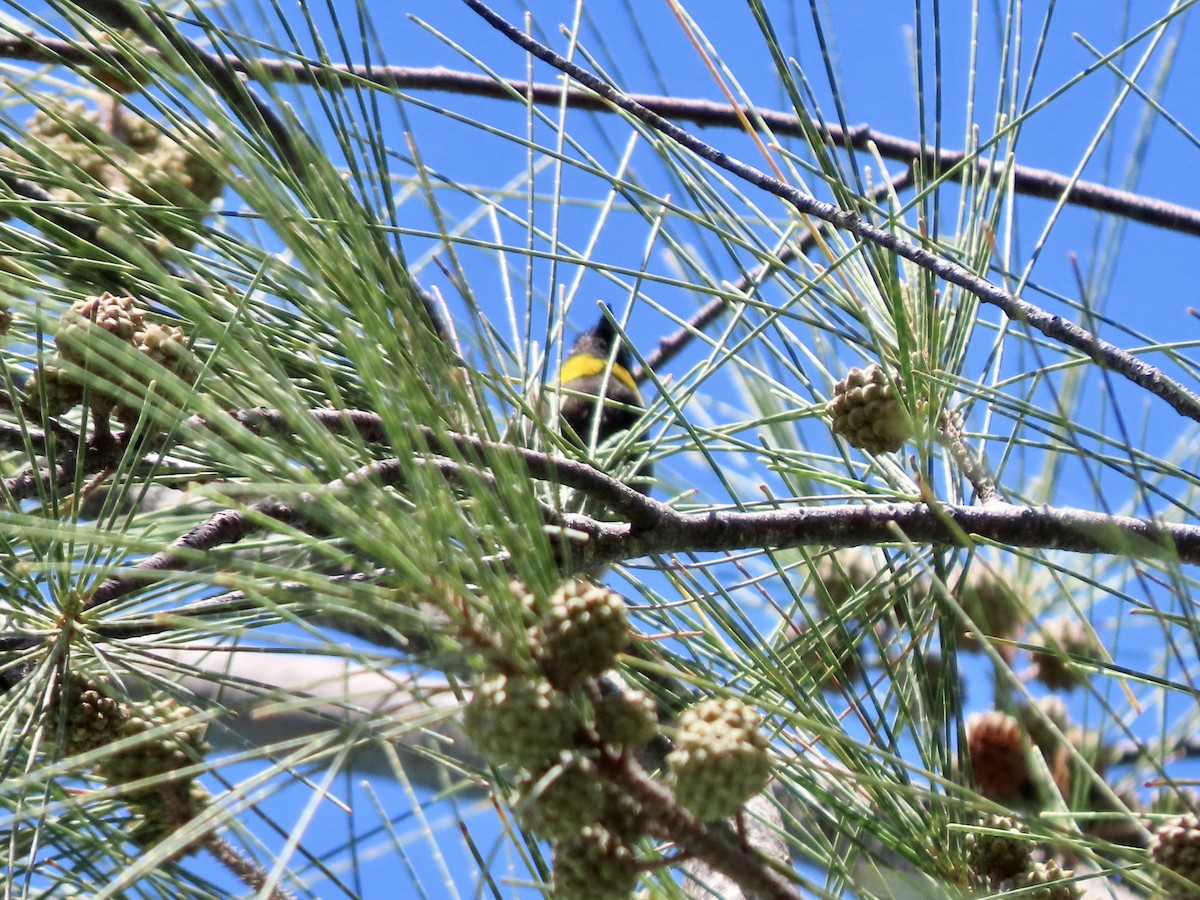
584	365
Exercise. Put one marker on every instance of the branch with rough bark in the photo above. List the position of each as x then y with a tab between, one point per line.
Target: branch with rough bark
939	162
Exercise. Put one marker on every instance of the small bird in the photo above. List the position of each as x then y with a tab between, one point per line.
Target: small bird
593	366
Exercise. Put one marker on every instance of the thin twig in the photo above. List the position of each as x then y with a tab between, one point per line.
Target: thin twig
669	347
950	435
955	164
1054	327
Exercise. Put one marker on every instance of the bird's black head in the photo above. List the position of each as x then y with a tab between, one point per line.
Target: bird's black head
598	341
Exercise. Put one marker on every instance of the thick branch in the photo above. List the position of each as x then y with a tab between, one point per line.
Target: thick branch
598	543
655	527
705	113
1050	528
1054	327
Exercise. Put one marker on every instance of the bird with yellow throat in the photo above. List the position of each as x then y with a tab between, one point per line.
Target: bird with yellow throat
598	366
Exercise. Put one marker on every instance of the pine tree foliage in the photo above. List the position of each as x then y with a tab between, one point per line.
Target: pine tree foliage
306	593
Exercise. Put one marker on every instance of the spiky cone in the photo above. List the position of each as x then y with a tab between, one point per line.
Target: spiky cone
556	803
867	410
623	816
1050	882
594	865
173	740
165	810
158	167
1176	847
520	720
720	758
166	346
172	176
996	748
93	718
627	718
584	627
1059	639
993	606
54	388
999	857
70	134
81	325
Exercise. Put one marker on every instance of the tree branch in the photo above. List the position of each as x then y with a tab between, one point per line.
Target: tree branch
653	527
954	164
1050	528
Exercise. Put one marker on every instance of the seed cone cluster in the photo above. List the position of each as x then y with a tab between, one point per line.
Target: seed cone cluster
172	740
85	359
540	722
1050	882
997	858
520	720
720	758
172	186
1004	862
1176	847
553	720
163	738
595	864
867	410
93	718
583	629
626	719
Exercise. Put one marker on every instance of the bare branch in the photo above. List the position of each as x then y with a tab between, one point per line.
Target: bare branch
655	527
953	164
1052	528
